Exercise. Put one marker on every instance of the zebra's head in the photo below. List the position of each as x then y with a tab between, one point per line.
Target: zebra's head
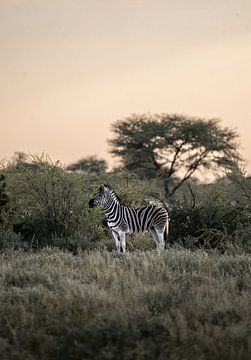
101	197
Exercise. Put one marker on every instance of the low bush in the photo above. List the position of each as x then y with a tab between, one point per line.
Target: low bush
49	206
215	220
43	204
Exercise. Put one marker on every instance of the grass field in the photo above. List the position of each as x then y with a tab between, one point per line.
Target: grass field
142	305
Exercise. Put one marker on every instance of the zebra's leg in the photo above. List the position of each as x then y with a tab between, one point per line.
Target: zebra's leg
155	236
117	240
122	237
160	239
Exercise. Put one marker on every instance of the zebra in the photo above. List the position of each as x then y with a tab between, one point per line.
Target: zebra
123	220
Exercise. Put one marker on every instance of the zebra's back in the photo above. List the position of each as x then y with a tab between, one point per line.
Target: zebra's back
144	218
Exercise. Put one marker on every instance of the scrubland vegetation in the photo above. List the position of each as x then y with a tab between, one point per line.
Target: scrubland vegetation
142	305
66	294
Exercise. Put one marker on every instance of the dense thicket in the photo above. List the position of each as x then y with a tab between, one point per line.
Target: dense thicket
43	204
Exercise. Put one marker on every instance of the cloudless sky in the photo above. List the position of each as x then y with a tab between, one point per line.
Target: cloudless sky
70	68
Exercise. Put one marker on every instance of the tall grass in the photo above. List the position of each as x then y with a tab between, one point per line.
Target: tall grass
142	305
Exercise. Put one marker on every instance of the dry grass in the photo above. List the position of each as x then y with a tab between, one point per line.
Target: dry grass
141	305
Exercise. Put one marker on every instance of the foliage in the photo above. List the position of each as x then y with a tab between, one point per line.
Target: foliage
215	220
3	196
143	305
239	177
173	147
49	205
4	209
89	165
46	201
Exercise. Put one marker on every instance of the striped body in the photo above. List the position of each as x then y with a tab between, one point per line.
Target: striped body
123	220
135	220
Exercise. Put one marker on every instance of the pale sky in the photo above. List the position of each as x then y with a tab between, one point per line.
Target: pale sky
69	68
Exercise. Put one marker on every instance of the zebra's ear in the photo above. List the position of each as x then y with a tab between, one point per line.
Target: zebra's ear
101	188
108	187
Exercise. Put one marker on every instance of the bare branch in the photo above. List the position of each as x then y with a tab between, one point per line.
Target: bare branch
192	193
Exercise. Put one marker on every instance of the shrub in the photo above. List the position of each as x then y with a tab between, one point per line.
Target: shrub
43	204
46	201
214	221
50	205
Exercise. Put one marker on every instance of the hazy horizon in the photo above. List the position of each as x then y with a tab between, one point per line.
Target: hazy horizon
69	69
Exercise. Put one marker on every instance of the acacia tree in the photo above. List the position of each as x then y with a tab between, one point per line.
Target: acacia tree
173	146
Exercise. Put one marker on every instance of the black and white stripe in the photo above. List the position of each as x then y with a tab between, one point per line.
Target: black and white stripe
123	220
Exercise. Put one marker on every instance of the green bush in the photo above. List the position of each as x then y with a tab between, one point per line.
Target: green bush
5	211
43	204
216	220
50	205
48	202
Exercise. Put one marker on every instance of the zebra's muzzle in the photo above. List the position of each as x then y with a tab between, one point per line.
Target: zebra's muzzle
91	204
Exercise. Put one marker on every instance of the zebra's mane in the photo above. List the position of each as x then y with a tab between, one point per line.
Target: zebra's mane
113	192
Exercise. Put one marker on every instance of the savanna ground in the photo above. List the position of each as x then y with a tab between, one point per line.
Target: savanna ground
178	304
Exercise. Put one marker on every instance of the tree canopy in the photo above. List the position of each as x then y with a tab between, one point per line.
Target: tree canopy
173	146
89	165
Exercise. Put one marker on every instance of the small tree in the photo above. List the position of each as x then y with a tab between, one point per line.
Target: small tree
89	165
173	147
